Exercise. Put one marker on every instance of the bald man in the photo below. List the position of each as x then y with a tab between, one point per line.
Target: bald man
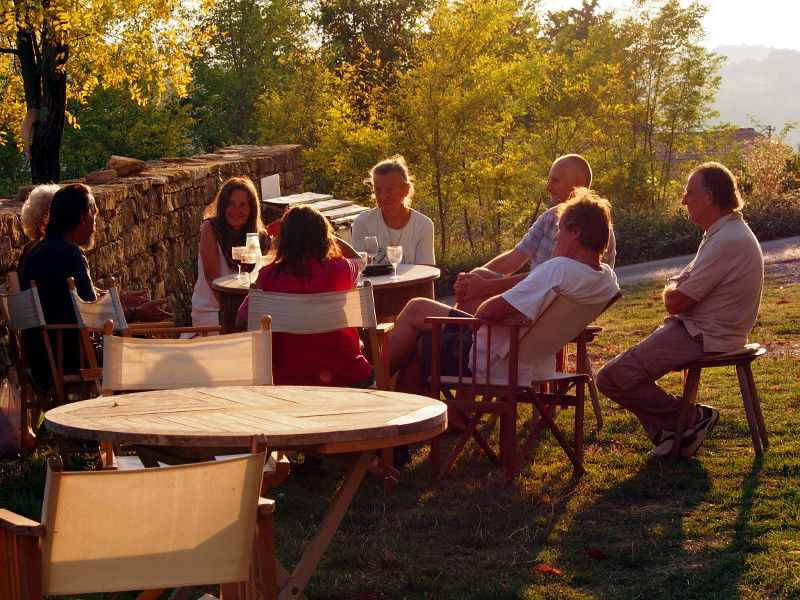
498	275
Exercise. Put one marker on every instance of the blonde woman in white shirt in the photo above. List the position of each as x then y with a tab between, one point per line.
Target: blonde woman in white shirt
393	221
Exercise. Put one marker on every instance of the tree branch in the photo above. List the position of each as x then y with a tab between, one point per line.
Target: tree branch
8	51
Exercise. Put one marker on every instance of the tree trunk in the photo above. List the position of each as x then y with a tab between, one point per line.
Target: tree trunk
44	76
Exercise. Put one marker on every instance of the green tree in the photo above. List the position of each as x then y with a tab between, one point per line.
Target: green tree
671	82
66	48
250	51
453	105
112	123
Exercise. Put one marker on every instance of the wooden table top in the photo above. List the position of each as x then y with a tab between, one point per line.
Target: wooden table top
329	419
411	274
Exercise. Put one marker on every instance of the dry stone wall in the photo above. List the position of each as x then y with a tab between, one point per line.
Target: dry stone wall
148	224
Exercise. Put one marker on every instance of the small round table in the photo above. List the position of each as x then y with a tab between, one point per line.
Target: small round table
325	419
391	295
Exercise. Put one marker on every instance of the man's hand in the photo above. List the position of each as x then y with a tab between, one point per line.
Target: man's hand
145	309
472	285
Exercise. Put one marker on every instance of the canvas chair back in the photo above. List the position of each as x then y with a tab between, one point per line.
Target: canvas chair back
151	528
22	310
93	315
557	326
131	364
313	313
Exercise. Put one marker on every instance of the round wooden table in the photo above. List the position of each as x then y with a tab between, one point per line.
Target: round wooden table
325	419
391	295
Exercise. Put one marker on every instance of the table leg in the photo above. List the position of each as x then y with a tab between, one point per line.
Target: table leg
296	583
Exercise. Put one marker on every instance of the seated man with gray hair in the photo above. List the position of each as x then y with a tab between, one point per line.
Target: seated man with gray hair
712	306
575	269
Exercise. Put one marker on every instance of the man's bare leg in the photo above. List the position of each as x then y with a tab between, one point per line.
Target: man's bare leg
409	327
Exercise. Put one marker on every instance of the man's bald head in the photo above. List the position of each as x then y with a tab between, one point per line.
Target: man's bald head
567	173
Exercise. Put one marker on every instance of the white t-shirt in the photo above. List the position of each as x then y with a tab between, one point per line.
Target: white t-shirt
531	296
416	237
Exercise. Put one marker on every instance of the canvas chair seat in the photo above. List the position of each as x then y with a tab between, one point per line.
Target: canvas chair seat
500	390
151	529
332	311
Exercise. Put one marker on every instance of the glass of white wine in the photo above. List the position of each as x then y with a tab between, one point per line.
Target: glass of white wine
395	256
362	262
371	247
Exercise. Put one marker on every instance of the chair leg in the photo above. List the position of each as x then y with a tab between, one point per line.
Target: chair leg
508	438
690	384
751	384
580	398
749	411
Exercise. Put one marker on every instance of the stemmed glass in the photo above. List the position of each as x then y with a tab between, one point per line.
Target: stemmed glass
371	247
362	262
395	255
249	260
237	252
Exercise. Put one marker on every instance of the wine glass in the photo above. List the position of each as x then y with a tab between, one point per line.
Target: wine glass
236	253
371	247
395	255
249	260
362	262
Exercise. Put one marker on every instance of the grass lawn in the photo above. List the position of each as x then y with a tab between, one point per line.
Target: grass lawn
721	525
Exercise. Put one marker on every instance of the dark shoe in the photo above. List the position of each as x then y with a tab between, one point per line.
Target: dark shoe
706	420
662	445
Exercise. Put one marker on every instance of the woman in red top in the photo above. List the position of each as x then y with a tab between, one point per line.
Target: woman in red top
311	260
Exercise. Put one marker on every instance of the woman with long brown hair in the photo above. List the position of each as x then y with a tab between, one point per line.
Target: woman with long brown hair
233	214
311	260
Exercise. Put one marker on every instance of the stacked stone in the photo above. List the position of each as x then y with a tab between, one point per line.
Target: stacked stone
148	223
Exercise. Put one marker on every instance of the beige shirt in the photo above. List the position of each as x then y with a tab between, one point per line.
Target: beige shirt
725	279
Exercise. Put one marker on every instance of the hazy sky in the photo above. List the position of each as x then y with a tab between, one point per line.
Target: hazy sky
771	23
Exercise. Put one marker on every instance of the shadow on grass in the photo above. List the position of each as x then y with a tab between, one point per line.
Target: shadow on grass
650	537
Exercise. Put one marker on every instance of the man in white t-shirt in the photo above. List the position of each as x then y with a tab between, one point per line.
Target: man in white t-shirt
583	234
712	305
500	274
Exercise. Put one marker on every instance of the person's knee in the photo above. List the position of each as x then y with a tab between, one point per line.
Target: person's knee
604	383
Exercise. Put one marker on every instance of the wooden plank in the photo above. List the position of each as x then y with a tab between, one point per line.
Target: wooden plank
355	209
326	205
296	199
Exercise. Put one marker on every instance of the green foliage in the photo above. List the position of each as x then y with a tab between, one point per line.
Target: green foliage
13	168
112	123
253	44
775	217
643	236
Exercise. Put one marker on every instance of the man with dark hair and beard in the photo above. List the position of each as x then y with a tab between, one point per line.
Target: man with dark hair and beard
59	255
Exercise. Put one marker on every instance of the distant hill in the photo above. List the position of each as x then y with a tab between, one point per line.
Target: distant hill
762	82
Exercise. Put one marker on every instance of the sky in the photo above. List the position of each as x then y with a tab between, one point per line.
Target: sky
771	23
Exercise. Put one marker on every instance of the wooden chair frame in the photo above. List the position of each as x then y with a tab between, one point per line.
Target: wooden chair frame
471	397
742	360
24	572
23	311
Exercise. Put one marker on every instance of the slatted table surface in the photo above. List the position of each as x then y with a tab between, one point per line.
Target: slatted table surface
328	419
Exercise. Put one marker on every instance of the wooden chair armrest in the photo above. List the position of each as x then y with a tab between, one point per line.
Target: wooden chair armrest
149	324
19	525
157	329
512	321
265	506
55	326
384	328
